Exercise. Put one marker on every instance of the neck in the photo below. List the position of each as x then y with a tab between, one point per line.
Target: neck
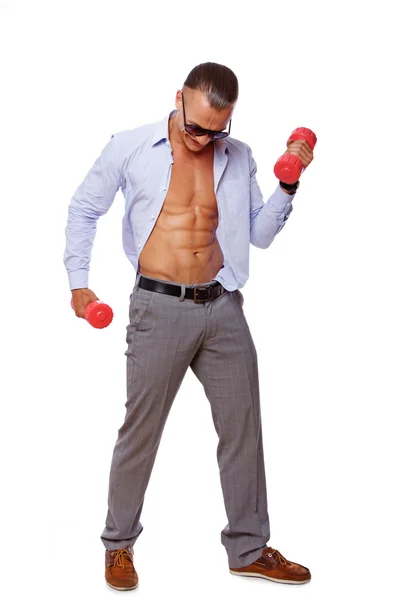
174	133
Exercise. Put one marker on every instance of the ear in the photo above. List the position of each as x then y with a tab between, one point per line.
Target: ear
178	99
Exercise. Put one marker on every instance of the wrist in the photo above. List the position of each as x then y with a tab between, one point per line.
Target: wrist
289	188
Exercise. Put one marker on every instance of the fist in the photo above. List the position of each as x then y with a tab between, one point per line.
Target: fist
81	298
302	149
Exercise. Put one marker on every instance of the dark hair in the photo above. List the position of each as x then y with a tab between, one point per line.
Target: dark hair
218	83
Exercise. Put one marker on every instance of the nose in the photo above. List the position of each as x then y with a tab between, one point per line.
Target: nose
200	139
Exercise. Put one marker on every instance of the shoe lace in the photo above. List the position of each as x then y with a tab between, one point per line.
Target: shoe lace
119	557
279	556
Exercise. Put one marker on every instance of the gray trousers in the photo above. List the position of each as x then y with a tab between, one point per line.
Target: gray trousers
165	336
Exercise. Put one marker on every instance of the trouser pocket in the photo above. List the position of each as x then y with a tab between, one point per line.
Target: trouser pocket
140	301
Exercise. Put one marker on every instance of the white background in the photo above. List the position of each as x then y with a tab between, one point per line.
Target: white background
321	302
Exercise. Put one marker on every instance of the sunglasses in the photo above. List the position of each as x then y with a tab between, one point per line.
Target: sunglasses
197	131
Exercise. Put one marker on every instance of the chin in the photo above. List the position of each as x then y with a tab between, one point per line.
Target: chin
193	145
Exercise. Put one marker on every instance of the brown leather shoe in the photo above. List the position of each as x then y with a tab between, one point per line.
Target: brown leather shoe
272	565
120	572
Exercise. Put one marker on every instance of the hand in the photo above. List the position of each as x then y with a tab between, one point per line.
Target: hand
81	298
302	149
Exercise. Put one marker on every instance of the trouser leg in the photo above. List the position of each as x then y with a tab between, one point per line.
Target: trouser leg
226	365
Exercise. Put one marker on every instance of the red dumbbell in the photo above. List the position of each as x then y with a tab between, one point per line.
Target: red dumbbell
97	314
289	167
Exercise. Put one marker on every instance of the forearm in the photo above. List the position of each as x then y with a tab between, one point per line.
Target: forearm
79	232
267	221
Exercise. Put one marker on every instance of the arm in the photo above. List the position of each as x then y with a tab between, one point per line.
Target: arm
93	198
266	219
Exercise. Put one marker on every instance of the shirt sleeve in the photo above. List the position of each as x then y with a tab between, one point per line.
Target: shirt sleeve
92	199
266	219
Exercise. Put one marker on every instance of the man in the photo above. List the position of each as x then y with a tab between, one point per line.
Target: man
193	206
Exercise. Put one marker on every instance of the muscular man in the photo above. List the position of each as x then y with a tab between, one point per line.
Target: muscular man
193	206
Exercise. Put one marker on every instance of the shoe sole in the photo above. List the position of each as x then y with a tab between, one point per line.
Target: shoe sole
270	578
122	589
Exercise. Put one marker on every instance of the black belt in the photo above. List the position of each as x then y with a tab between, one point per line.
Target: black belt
198	293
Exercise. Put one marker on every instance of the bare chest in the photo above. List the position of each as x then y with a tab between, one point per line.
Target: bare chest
192	185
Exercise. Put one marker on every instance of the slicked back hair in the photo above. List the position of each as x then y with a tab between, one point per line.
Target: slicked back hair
218	83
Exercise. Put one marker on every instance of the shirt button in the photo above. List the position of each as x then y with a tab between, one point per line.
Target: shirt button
140	245
152	217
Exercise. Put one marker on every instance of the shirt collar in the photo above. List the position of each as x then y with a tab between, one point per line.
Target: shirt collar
161	128
161	132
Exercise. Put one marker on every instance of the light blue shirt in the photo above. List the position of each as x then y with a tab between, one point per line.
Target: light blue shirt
139	162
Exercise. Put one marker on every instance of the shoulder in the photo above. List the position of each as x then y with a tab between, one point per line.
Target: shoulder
129	143
132	138
238	149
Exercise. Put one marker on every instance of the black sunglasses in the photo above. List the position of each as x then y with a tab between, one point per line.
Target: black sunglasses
197	131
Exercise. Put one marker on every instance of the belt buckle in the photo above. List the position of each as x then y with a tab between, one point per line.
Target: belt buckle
201	288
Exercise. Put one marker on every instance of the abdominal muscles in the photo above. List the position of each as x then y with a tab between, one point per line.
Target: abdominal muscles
183	246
